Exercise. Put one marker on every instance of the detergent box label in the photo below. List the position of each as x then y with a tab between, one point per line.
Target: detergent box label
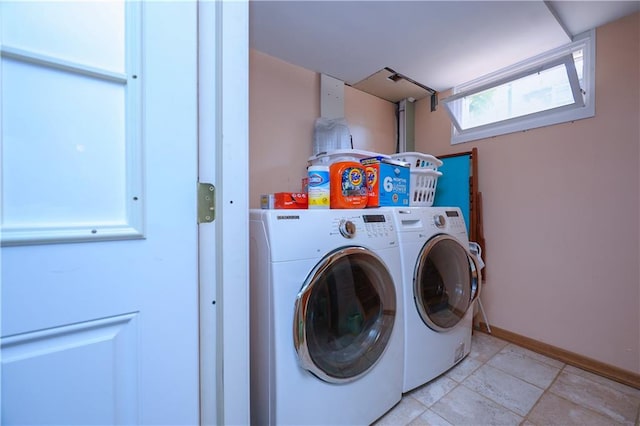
387	182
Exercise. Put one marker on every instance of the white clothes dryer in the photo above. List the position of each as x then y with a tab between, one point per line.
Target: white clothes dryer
441	282
326	316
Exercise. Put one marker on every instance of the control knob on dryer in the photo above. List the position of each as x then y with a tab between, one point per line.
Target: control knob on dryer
347	228
439	220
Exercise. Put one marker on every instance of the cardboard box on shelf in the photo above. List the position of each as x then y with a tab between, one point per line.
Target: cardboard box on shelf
387	182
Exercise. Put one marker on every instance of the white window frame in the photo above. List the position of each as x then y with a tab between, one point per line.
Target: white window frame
576	111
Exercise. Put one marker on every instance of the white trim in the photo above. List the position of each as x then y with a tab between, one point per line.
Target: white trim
1	196
64	234
61	64
587	39
224	244
208	122
135	170
546	118
232	169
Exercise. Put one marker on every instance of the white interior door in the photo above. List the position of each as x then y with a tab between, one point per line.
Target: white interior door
99	170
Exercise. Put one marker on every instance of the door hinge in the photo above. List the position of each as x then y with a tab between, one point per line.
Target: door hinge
206	202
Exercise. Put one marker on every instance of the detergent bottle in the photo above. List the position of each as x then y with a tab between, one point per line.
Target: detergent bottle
348	185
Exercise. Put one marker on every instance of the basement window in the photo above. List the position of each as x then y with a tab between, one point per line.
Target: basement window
555	87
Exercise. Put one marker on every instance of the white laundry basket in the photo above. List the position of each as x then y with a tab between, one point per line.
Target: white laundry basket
424	176
423	186
418	160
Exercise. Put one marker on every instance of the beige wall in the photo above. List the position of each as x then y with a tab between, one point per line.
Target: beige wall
284	102
561	214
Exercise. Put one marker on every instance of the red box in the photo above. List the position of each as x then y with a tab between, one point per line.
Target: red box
285	200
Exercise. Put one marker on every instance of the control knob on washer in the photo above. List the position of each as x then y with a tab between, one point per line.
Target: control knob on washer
439	220
347	228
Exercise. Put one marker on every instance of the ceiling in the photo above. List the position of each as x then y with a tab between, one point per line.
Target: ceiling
438	44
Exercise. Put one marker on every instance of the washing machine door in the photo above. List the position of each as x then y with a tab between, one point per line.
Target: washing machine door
344	315
445	282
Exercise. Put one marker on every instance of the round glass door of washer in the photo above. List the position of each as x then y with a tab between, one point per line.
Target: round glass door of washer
344	315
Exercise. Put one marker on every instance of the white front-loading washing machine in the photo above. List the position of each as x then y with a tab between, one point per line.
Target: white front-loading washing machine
441	282
326	316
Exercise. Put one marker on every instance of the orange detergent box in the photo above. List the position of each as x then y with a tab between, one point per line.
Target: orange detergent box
284	200
387	182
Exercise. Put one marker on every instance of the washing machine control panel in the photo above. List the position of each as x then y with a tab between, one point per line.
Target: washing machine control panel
366	225
377	225
347	228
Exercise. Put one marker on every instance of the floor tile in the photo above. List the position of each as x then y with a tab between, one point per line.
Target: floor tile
462	406
434	390
554	410
596	396
429	418
531	354
505	389
501	383
632	392
404	412
463	369
484	346
525	368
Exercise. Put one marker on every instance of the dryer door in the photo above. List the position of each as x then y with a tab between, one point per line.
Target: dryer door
344	315
445	282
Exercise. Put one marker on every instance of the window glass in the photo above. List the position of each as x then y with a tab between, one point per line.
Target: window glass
533	93
551	88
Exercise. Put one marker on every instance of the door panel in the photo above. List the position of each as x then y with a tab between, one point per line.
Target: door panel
67	357
101	331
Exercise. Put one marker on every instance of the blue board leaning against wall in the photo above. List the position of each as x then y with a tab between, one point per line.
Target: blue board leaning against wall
452	189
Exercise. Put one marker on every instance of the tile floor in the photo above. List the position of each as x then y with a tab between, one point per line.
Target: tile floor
499	383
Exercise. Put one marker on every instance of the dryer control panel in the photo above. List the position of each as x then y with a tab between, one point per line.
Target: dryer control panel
455	219
451	219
